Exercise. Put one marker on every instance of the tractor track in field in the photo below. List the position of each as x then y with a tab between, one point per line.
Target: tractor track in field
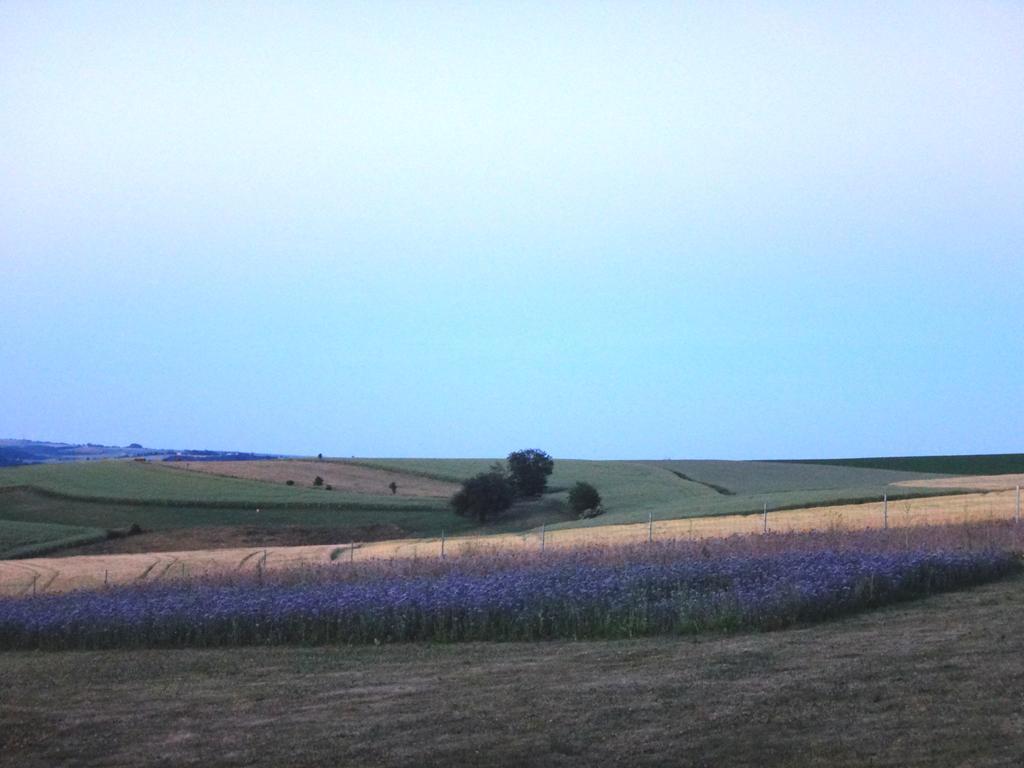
142	576
244	560
36	570
167	567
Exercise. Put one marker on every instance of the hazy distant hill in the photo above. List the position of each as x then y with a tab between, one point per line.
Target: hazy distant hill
18	452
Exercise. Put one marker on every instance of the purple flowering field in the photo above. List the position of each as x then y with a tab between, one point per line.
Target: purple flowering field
749	582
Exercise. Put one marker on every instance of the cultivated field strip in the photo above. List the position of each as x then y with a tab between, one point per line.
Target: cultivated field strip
21	577
342	476
970	482
162	484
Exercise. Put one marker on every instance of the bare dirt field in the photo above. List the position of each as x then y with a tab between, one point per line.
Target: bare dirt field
972	482
341	475
931	683
56	574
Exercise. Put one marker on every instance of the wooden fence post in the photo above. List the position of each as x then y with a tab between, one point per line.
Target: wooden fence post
885	510
442	543
765	513
650	526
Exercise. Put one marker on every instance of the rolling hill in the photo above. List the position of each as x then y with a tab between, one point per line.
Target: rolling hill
102	495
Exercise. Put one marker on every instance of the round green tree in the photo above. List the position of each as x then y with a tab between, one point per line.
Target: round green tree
529	470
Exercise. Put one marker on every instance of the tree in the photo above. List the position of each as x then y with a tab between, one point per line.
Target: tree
318	481
483	496
529	470
583	496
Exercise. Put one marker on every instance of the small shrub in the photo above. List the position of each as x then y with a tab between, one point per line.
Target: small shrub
289	482
318	481
120	533
329	487
583	497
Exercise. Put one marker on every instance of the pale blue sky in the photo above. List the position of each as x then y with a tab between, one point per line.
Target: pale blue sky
603	229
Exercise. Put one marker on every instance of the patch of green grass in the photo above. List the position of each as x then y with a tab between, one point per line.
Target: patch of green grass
633	490
967	464
753	477
621	483
29	506
629	486
22	539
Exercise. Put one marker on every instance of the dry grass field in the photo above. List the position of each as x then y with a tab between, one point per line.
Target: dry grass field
928	684
57	574
341	475
970	482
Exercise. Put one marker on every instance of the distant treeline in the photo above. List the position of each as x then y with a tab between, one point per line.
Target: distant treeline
217	456
16	453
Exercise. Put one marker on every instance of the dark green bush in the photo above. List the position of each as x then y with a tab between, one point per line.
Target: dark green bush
318	481
483	496
583	496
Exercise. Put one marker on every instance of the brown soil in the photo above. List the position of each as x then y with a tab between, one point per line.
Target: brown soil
928	684
341	475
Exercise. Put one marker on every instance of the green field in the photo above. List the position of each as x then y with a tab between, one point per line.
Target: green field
21	539
116	494
967	464
754	477
151	483
633	490
26	505
94	497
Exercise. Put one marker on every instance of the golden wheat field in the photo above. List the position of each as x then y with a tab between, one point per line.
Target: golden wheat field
53	574
974	482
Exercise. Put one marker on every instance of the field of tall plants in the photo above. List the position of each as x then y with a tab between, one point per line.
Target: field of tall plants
750	582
